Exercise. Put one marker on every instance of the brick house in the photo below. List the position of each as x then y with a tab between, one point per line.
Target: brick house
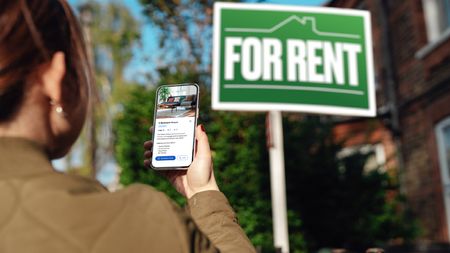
412	64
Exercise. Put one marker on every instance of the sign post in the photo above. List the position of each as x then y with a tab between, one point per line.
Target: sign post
287	58
277	180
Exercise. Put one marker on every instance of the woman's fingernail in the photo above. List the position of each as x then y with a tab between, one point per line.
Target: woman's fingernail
202	127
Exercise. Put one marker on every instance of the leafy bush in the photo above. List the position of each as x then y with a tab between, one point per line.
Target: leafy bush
331	202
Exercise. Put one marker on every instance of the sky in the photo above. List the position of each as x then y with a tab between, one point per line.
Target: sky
144	61
138	65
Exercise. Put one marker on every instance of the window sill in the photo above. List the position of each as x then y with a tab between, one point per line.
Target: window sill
426	50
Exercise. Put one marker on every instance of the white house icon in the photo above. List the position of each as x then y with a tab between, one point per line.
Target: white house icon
302	21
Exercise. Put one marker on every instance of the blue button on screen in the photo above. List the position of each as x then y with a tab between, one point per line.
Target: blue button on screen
165	158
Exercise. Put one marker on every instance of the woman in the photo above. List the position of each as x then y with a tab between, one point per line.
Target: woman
44	93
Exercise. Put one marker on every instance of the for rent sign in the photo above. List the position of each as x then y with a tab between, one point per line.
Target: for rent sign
272	57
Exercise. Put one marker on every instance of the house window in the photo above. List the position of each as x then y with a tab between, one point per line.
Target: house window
437	17
376	158
443	140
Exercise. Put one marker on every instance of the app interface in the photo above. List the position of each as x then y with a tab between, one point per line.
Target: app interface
173	140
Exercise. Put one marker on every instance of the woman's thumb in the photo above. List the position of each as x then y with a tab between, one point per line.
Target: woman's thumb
203	149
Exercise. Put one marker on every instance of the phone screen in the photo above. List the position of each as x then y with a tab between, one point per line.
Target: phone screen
174	126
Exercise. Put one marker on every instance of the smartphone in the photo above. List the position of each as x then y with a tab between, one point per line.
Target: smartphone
175	120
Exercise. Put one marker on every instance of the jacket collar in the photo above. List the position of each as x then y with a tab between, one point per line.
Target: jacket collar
21	157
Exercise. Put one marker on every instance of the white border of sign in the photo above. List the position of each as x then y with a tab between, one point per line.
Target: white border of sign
252	106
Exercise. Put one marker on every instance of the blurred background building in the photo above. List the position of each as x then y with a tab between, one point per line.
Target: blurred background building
412	59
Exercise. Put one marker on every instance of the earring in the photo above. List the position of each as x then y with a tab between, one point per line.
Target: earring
58	108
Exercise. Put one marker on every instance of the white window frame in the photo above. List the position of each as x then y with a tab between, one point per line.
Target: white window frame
435	33
444	166
377	149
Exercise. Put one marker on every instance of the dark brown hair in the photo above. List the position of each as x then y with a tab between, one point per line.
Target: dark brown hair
31	31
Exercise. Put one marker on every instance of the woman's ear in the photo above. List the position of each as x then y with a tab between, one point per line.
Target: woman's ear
53	75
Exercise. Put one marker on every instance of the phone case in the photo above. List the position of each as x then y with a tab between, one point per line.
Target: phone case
173	104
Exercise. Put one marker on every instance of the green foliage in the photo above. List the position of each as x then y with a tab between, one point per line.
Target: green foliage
240	160
241	166
131	130
136	117
184	26
333	202
340	204
164	93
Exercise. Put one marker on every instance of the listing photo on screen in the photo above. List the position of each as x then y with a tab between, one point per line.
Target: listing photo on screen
177	101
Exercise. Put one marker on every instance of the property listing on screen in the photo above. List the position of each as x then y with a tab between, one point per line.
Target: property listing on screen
174	127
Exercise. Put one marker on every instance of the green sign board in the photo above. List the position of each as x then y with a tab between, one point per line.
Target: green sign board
288	58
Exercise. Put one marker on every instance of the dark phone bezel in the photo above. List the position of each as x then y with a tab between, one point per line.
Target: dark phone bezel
195	124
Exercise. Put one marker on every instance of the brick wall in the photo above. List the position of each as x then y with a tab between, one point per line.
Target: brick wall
424	99
423	96
360	132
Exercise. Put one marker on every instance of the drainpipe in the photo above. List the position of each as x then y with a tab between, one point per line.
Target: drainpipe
390	89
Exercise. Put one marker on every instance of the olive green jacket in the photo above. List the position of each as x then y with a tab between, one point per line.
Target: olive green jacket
43	210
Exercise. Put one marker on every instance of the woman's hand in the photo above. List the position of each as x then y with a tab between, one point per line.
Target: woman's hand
199	176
